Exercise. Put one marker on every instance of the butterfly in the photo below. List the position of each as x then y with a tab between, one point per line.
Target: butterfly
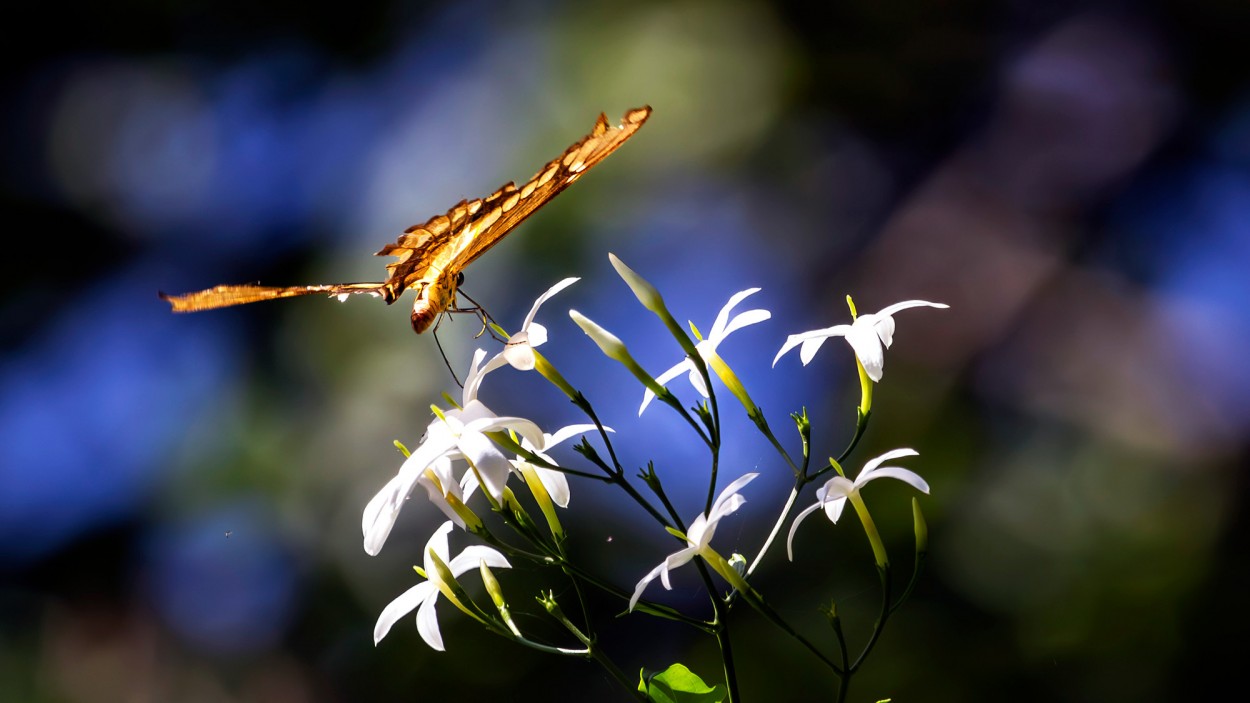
431	258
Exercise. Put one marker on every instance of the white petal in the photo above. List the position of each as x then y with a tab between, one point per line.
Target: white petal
696	381
833	496
427	623
570	431
473	556
746	319
694	533
439	483
795	526
833	509
401	606
863	339
911	478
791	342
383	509
489	422
811	341
492	466
642	585
728	501
720	326
556	483
808	351
872	464
891	309
380	514
544	298
673	372
437	543
519	355
836	488
884	327
537	335
473	381
675	560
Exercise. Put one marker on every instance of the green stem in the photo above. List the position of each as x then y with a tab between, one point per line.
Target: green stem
757	602
884	574
727	660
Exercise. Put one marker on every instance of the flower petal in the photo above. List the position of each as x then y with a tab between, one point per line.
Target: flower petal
811	341
642	585
795	526
473	556
911	478
872	464
673	372
891	309
555	483
884	328
746	319
473	381
518	352
863	339
676	560
833	509
529	319
383	509
401	606
720	327
492	466
439	483
570	431
427	623
437	543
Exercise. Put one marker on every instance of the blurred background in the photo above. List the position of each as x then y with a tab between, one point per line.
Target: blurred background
180	495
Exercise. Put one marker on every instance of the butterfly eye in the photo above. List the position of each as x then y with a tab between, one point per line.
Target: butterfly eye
459	278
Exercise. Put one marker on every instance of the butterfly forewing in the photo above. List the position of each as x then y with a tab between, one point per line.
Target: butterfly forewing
429	257
515	204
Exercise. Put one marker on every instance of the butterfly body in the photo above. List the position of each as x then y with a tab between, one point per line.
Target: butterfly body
430	258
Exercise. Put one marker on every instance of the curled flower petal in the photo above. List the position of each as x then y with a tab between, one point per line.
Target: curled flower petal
866	335
722	327
423	596
832	497
698	536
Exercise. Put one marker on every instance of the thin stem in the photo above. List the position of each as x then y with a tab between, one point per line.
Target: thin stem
594	652
757	602
727	660
758	418
861	424
884	573
781	520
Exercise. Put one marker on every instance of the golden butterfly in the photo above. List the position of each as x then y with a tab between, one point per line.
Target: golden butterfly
430	258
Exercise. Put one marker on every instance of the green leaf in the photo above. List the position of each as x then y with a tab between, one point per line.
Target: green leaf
677	684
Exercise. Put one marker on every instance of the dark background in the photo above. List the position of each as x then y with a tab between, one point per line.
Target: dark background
180	495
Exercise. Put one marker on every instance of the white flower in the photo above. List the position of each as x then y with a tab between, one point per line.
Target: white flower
519	349
865	335
424	595
556	483
721	329
698	537
833	495
459	434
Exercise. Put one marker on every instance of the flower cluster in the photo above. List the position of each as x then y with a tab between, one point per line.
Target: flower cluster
469	447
